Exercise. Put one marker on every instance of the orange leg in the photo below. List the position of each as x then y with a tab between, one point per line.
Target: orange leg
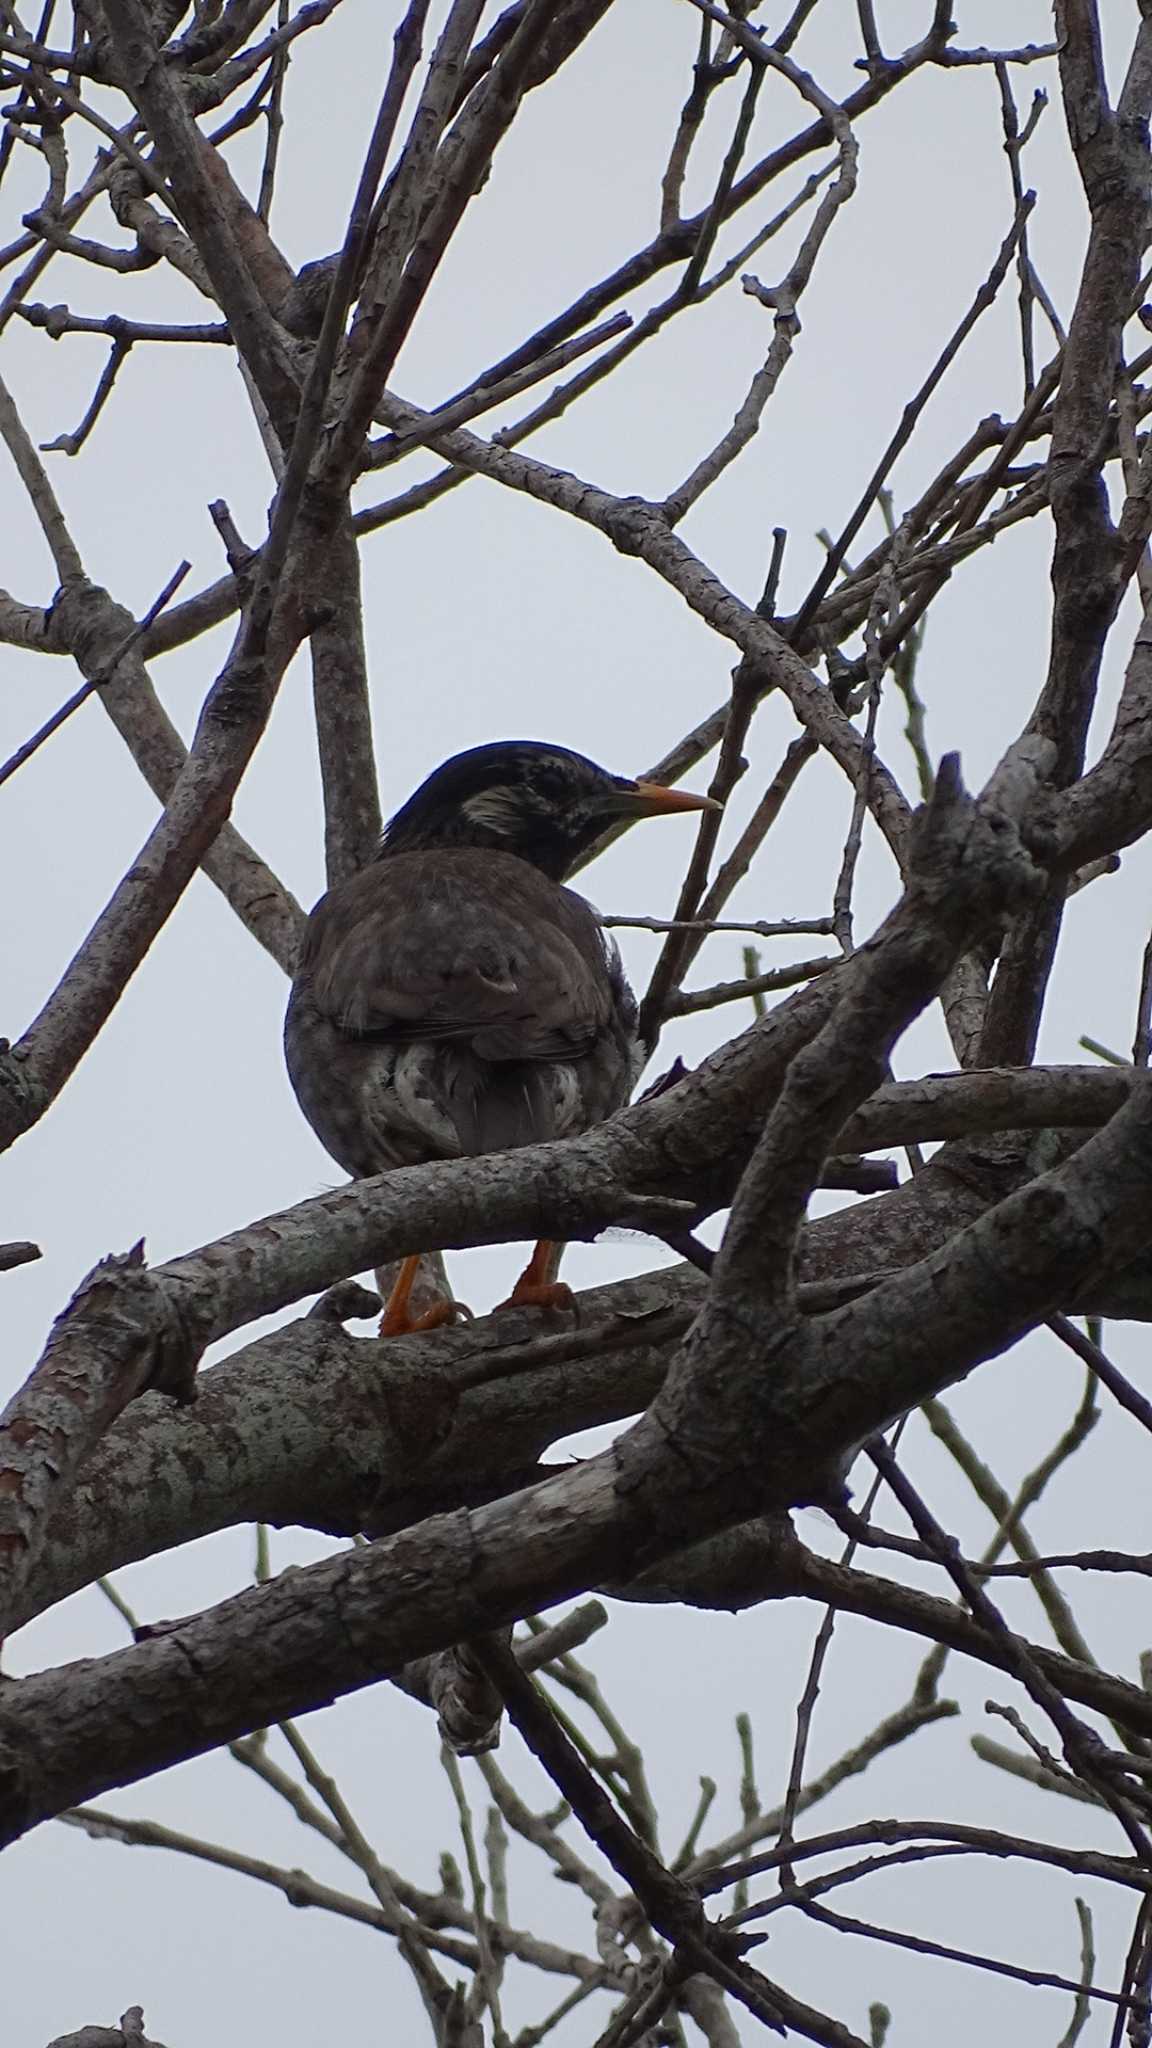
398	1320
538	1286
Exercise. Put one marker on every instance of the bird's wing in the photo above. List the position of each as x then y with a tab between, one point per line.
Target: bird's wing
446	946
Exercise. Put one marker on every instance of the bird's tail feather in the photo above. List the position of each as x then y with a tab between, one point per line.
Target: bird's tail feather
495	1107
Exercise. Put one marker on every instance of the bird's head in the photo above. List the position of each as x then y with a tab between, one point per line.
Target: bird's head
543	803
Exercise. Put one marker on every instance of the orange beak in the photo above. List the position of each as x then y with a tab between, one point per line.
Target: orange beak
652	800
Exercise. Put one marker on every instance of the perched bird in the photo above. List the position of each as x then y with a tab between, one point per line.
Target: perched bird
454	998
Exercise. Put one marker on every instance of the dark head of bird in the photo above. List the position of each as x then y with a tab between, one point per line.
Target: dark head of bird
545	804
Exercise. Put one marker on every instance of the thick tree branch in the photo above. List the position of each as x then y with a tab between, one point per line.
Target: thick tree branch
300	1640
33	1071
344	715
89	622
52	1424
1088	568
724	1438
307	1426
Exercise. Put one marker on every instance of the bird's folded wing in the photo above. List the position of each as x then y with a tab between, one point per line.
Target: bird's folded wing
519	971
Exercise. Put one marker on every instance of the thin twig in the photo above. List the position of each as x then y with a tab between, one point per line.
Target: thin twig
1081	1746
92	683
1102	1367
909	419
783	928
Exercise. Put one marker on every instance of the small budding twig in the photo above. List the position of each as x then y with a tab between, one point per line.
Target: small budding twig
1030	1771
750	958
749	1796
1081	2010
486	1987
687	1850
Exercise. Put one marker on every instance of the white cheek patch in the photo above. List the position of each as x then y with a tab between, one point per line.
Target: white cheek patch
494	810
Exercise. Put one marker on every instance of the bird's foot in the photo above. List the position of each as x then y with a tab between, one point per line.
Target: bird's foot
532	1293
538	1286
402	1323
399	1320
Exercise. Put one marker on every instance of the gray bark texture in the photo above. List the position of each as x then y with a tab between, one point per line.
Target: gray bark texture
743	1382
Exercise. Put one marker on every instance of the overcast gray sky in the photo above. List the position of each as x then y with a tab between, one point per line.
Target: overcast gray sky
492	616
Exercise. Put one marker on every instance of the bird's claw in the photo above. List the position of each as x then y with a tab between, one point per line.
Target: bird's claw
400	1322
550	1294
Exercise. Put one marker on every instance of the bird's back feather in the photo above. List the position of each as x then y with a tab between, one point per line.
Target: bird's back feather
455	1001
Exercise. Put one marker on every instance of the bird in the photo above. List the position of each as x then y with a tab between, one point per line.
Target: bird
454	997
